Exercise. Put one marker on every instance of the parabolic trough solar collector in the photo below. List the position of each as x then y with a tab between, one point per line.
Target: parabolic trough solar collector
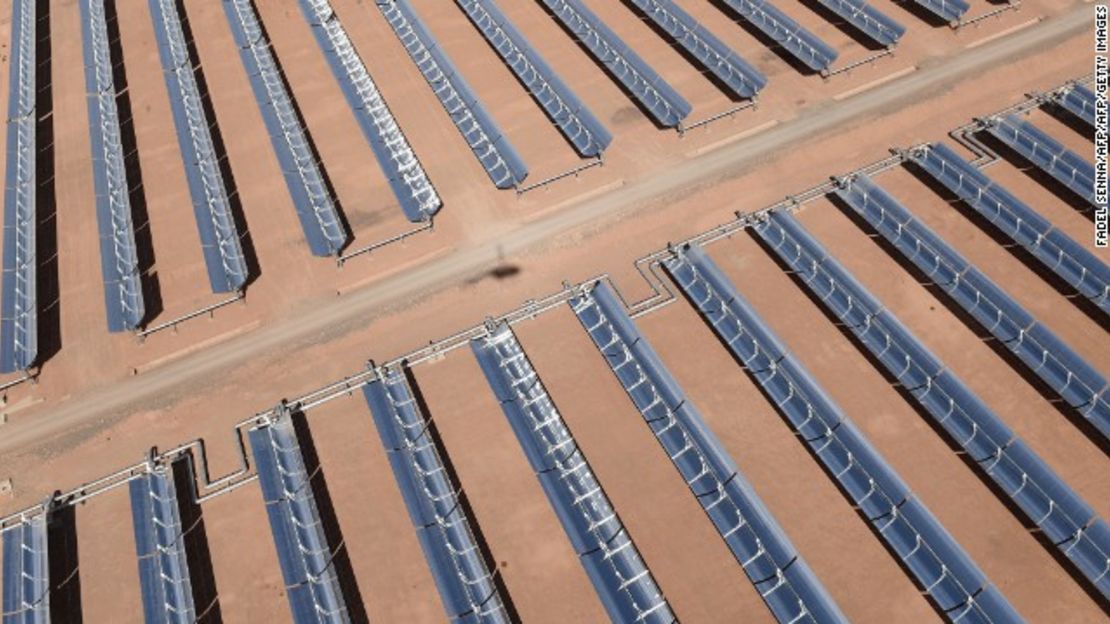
491	147
407	178
219	233
304	176
573	119
603	544
119	256
19	317
790	589
662	102
932	557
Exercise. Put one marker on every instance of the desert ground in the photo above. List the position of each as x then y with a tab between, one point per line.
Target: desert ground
100	401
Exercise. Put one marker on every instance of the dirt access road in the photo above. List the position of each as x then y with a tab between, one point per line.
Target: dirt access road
335	319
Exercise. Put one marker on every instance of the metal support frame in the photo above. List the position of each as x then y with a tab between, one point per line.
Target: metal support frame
683	128
174	322
868	60
397	238
28	375
1012	5
572	172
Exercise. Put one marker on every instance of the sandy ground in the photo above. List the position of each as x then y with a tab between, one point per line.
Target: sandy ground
693	566
541	571
317	315
375	525
290	281
1032	416
248	580
107	564
833	539
992	536
89	414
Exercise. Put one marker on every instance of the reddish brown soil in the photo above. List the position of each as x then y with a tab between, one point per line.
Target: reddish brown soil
540	569
693	566
832	538
291	280
993	536
1000	386
541	572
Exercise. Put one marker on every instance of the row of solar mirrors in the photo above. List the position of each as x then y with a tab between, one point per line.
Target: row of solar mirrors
324	230
467	584
656	97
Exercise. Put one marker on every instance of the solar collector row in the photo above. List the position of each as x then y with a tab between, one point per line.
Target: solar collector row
781	28
26	597
662	102
783	579
160	544
410	184
119	258
950	11
1064	165
1047	501
1073	379
219	234
19	314
465	582
580	127
492	148
619	575
1079	101
305	558
868	20
1069	260
323	230
936	561
744	80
